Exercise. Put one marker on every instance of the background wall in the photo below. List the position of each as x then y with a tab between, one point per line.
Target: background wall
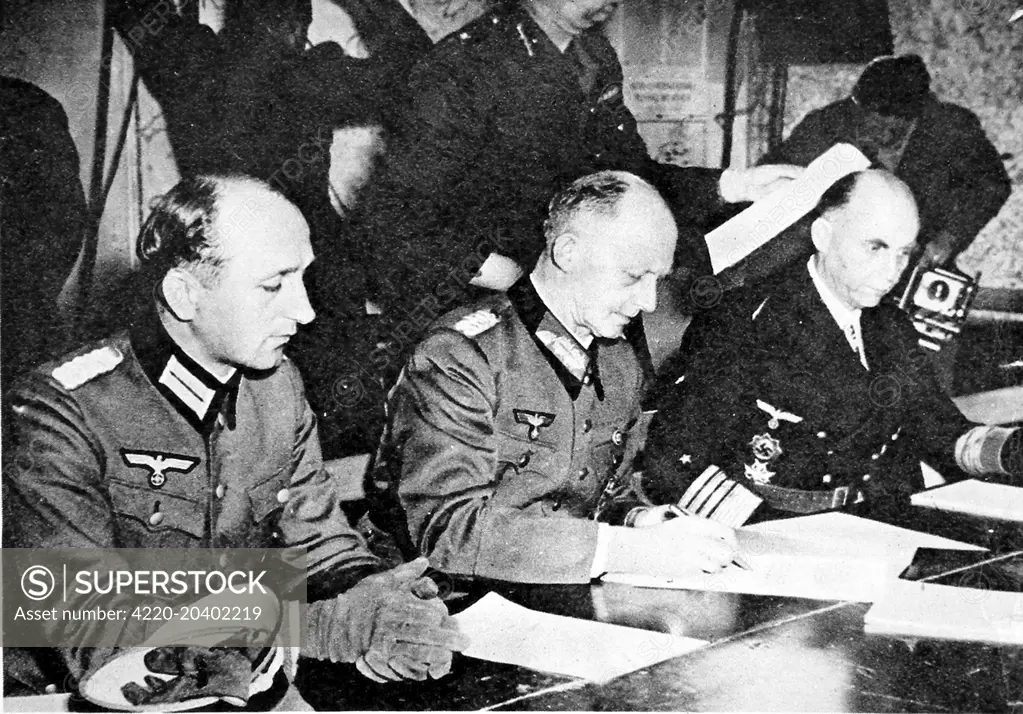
976	60
975	56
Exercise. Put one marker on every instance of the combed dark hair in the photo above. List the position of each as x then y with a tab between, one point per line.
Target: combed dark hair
179	230
894	86
836	196
598	193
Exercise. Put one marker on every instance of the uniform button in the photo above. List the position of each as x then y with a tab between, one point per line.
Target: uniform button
587	379
51	689
866	477
557	505
587	425
276	535
895	436
523	461
827	478
583	473
618	438
616	460
822	435
156	519
494	20
283	495
621	127
220	490
593	110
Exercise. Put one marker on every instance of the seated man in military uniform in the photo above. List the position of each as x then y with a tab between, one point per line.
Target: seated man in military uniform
512	423
807	390
191	430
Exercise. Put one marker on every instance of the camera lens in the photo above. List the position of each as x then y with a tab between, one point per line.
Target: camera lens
938	290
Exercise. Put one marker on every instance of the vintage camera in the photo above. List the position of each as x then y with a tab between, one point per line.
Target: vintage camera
938	300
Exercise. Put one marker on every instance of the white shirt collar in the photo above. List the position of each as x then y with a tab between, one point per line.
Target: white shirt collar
542	294
843	314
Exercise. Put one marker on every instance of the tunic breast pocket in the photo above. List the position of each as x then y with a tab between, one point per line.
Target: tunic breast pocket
147	518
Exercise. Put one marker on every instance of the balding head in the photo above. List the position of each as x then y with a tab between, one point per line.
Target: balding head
865	233
610	237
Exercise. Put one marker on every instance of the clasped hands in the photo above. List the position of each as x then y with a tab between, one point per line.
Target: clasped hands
391	625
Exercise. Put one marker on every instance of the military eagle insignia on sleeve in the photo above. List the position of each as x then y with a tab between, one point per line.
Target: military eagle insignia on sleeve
158	464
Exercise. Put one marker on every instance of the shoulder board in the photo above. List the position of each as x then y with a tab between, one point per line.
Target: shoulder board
84	368
476	323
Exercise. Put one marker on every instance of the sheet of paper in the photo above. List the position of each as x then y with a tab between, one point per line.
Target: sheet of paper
979	498
738	237
942	611
853	529
501	631
827	556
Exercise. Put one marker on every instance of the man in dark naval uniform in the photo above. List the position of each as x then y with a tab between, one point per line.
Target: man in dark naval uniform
191	430
504	113
811	393
515	420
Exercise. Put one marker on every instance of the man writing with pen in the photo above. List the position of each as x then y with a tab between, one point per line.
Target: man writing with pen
514	422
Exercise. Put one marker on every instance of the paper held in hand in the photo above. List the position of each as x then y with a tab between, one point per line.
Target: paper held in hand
738	237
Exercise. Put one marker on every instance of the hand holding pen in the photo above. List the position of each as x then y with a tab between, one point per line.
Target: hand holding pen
683	520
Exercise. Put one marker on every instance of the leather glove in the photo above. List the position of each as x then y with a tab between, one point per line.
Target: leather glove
390	625
219	672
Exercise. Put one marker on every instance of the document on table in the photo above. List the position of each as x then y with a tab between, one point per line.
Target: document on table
947	612
501	631
738	237
828	556
978	498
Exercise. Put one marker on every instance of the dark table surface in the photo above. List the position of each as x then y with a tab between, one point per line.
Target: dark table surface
765	654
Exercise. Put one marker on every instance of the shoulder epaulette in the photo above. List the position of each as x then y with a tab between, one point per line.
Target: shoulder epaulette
84	368
476	323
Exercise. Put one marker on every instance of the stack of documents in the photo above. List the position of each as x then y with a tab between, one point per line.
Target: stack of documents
827	556
946	612
978	498
501	631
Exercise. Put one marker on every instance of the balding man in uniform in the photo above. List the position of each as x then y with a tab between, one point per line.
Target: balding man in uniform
191	430
514	420
810	391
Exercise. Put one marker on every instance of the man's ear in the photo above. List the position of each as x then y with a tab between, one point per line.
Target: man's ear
565	251
821	231
181	293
